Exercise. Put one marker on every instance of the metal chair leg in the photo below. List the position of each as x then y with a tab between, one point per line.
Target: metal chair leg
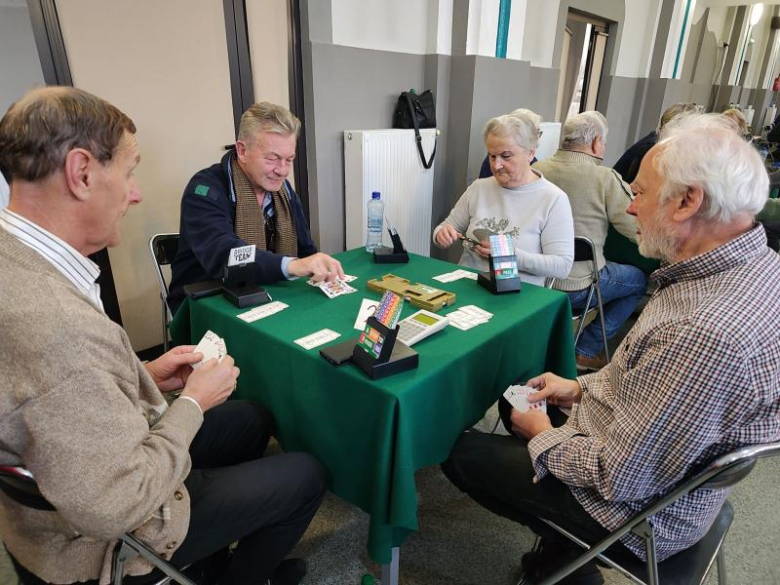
601	317
164	324
721	562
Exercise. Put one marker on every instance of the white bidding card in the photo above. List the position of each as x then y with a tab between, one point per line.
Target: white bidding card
318	338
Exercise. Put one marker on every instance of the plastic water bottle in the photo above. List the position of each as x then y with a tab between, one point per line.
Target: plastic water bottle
375	212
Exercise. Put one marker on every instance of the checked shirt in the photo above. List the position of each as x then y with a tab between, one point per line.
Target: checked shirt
697	376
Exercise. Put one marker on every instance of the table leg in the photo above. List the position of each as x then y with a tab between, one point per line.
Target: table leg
390	570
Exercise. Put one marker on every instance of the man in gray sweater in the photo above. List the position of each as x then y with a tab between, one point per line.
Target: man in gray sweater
598	197
86	417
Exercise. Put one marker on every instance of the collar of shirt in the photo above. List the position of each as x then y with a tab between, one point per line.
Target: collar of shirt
737	251
74	266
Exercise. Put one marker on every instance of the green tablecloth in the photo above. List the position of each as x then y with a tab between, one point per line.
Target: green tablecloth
373	435
618	248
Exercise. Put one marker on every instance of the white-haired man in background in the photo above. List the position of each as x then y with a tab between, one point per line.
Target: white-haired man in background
598	197
697	376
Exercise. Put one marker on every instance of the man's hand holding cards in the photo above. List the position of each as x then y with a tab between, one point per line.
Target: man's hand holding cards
518	398
212	346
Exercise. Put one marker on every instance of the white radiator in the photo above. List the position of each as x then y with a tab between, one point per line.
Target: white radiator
388	161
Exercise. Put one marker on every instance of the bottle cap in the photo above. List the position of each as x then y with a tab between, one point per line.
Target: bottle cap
367	580
375	195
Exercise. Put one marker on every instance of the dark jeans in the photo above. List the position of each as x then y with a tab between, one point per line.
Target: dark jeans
496	472
238	495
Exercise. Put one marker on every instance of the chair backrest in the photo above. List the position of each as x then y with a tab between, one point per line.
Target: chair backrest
18	484
163	248
584	249
725	471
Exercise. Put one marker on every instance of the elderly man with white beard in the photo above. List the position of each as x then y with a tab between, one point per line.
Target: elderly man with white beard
697	376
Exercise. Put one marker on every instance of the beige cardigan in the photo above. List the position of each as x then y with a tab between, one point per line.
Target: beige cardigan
81	412
598	197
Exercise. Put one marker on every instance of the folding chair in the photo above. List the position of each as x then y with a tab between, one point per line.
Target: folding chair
585	251
163	248
691	565
19	485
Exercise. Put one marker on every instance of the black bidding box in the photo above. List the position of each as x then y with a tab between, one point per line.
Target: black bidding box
394	358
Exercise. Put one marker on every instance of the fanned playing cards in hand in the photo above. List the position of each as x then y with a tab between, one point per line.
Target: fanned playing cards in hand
336	288
518	398
212	346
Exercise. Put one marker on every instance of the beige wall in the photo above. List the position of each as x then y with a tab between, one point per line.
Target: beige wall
267	25
165	65
267	28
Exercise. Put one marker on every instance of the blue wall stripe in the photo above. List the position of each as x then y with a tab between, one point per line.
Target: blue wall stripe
682	36
502	34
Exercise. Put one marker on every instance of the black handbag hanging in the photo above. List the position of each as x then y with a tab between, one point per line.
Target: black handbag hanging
416	111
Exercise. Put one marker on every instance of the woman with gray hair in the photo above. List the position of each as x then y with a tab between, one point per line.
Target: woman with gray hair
517	201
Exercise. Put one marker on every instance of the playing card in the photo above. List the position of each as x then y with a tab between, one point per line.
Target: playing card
518	398
336	288
212	346
347	278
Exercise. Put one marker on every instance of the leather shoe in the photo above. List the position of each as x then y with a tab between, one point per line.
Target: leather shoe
289	572
549	555
591	363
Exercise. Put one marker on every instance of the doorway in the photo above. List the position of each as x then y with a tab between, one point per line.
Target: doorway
582	63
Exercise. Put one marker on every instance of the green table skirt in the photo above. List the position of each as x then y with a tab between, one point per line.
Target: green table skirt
373	435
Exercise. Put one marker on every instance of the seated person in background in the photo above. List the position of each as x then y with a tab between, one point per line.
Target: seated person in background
628	164
517	201
246	199
737	119
598	197
696	377
86	417
485	171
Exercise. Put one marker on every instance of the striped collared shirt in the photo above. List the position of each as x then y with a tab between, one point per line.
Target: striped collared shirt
697	376
74	266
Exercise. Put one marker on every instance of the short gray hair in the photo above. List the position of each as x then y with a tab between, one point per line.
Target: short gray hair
582	129
521	125
267	117
702	150
39	130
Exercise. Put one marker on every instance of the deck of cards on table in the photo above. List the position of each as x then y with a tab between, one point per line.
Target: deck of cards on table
211	346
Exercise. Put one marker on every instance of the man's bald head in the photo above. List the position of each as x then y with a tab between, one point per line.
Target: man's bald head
39	130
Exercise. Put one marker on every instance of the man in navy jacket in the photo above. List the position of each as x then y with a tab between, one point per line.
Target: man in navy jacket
246	199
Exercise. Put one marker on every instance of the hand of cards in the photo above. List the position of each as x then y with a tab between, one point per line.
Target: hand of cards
518	398
212	346
336	288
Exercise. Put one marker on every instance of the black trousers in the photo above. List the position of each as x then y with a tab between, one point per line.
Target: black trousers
265	503
496	472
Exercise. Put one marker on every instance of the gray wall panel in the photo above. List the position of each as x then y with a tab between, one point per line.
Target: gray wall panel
620	114
453	180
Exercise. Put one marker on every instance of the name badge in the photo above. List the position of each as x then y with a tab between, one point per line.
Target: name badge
242	255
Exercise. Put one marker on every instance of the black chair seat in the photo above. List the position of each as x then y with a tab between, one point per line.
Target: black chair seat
689	566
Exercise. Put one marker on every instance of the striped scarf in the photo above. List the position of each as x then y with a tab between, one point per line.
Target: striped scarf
275	233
